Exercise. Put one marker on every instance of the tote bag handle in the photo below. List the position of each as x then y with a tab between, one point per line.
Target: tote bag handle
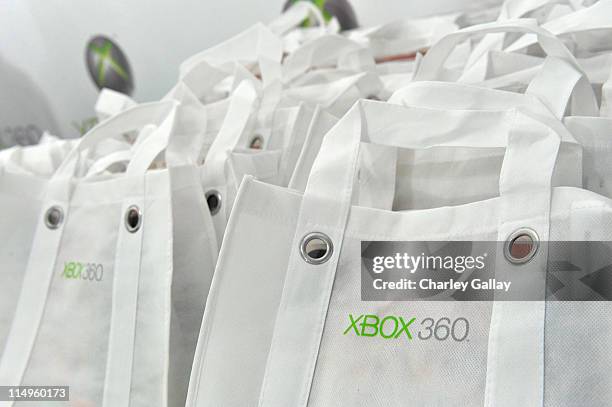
335	167
332	50
432	64
183	144
593	18
560	67
510	10
132	119
256	44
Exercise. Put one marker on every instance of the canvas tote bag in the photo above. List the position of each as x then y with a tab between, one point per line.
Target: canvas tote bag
580	30
557	85
540	11
23	190
296	353
584	31
25	173
194	243
432	67
442	176
90	304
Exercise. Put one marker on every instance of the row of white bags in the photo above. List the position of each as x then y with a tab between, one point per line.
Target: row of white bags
111	243
274	327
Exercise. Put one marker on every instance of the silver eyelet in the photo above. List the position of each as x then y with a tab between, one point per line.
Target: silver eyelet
133	219
213	199
316	248
521	246
54	217
256	142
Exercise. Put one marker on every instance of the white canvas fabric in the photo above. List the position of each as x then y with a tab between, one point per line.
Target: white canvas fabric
21	197
540	11
39	159
590	133
423	176
514	71
44	158
555	87
256	45
326	58
251	115
25	173
582	31
432	67
593	133
295	313
585	31
606	94
404	37
338	95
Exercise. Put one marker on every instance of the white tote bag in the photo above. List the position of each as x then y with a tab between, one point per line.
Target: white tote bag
443	176
296	353
580	30
585	31
26	173
557	85
337	96
540	11
402	39
250	120
325	58
590	133
257	49
254	121
105	309
432	67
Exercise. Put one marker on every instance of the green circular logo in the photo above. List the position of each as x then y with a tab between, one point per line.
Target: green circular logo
341	9
108	66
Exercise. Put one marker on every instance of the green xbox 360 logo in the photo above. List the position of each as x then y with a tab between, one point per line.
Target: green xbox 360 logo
389	327
75	270
108	65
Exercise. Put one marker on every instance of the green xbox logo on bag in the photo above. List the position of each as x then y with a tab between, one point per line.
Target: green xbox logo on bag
108	66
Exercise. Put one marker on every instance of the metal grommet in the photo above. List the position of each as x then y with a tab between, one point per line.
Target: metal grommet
213	199
133	219
316	248
54	217
521	246
256	142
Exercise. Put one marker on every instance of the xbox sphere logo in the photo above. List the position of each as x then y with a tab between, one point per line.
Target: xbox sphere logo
341	9
108	65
